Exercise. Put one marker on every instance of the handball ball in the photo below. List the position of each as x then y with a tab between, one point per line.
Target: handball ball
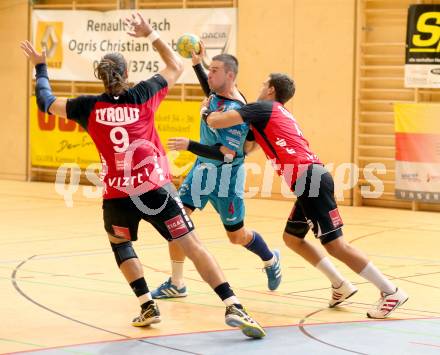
188	43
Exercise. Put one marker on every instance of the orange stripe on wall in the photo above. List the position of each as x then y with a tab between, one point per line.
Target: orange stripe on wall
418	147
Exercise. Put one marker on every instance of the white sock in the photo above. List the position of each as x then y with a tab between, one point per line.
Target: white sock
177	273
231	300
145	298
329	270
372	274
269	262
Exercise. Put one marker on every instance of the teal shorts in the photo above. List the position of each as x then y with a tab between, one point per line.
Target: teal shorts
222	186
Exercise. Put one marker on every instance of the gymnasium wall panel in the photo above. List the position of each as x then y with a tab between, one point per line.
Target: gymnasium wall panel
14	90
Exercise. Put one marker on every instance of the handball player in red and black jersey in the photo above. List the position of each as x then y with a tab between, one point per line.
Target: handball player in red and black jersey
278	134
135	170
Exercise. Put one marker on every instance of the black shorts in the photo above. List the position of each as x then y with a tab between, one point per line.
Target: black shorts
315	206
162	208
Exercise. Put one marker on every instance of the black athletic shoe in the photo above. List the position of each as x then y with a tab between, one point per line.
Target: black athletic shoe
148	316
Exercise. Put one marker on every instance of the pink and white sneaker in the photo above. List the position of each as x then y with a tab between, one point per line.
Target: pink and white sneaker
387	304
340	294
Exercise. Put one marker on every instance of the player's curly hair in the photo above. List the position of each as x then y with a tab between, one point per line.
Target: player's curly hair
284	86
112	71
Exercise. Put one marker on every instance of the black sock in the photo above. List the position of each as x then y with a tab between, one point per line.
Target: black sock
224	291
139	287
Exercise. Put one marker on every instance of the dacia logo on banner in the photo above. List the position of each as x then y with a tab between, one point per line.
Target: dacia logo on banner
424	29
216	38
50	37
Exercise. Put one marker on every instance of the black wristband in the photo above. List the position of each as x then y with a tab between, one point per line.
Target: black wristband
41	71
205	114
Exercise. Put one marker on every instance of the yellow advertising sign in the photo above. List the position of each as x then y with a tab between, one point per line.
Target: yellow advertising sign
57	140
178	119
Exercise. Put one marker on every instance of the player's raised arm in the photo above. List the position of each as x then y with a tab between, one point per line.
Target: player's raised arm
46	101
197	59
173	64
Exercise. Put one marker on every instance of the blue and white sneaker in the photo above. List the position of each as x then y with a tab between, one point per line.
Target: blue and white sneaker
168	290
274	272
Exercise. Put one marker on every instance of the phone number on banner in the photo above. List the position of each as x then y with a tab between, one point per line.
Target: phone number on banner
139	66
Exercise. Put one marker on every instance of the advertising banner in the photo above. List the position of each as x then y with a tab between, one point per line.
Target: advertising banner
75	41
422	59
417	173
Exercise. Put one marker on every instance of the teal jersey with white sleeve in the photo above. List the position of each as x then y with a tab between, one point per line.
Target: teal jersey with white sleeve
231	137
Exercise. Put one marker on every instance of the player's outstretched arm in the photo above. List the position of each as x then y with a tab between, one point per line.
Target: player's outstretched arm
217	152
46	101
173	64
222	119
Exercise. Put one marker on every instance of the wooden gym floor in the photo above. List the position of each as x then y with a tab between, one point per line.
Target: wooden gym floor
61	291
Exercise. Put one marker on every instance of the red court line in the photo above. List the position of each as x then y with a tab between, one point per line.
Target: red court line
414	342
224	330
312	299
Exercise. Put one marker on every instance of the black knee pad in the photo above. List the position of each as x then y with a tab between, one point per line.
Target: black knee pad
233	227
123	251
297	229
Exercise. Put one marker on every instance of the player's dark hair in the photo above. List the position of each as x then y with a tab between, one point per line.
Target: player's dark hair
229	61
112	71
284	87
